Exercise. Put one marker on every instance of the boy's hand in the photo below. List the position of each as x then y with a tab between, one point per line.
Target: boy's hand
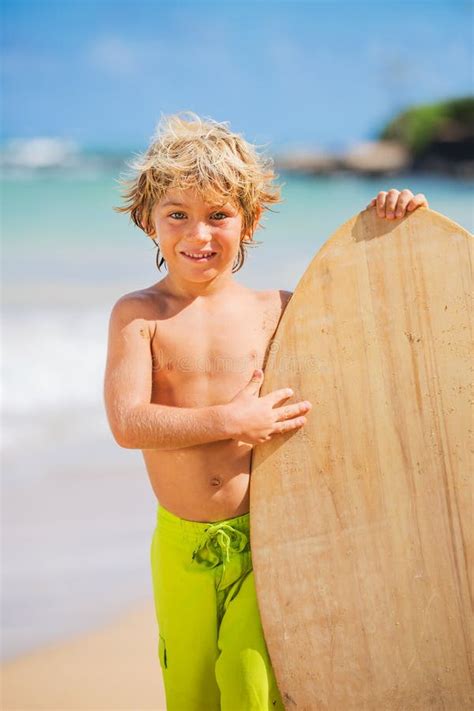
255	419
394	204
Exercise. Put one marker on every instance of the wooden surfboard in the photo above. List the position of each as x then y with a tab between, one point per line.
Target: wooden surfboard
361	521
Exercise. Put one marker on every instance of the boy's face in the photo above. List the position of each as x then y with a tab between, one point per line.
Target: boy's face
185	225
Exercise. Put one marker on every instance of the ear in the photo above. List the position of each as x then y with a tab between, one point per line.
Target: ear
147	227
250	233
148	224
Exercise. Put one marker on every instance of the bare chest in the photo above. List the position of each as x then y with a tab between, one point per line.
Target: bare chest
202	359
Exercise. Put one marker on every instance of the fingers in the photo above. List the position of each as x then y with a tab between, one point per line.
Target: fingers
255	382
391	203
380	202
289	425
394	204
403	199
417	201
288	417
289	411
278	396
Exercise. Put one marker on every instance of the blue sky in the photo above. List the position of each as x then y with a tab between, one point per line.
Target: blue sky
310	73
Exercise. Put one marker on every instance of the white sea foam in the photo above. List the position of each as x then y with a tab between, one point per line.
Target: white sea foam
39	152
52	372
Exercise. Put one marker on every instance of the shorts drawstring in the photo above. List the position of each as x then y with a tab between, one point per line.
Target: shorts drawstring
220	541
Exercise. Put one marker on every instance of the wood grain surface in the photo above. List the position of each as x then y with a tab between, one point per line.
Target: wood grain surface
361	521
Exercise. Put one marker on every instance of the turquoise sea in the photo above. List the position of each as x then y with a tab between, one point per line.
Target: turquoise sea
77	510
68	256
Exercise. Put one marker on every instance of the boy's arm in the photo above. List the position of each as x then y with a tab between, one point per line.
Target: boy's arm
136	423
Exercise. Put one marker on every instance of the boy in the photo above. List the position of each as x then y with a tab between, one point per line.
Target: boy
182	384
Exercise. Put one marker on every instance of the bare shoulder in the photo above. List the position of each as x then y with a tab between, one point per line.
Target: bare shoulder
272	303
141	298
275	299
139	307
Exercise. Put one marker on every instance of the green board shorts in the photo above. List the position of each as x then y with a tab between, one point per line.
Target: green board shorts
211	647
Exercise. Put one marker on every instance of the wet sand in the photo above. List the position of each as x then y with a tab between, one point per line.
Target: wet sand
78	623
114	668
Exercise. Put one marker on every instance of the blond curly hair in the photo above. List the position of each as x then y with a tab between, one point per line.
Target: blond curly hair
188	151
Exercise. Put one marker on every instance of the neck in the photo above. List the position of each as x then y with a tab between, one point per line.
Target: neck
183	289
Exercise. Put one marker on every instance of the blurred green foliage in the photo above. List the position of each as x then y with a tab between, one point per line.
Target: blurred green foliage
419	126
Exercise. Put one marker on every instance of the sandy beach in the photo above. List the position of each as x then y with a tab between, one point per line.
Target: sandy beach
112	668
78	622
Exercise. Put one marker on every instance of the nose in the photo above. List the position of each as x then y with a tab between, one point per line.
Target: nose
199	233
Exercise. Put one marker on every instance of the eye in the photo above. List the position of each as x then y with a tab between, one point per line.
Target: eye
219	216
177	213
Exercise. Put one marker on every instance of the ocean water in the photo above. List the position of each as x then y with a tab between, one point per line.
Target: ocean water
77	510
68	256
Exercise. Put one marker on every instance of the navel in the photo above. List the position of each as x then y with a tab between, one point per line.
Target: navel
215	481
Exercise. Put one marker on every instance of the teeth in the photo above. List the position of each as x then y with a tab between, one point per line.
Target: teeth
199	256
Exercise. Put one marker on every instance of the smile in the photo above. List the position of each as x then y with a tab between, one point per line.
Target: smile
199	256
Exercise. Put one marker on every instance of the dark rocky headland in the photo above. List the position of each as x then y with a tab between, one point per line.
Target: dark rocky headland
430	138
